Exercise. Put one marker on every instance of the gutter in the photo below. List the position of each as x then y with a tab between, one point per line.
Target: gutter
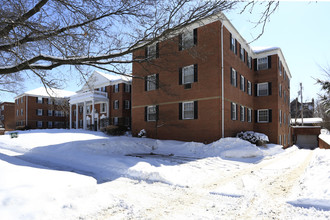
222	89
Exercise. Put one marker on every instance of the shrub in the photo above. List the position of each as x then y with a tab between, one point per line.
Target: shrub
258	139
115	130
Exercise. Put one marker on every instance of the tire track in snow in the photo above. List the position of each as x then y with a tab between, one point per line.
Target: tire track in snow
275	188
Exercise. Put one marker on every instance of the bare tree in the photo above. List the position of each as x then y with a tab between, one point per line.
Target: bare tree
39	36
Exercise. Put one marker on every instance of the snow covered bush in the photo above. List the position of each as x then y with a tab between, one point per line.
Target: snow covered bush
115	130
142	134
258	139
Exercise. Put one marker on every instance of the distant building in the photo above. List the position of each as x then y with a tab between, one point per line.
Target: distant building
104	100
42	108
206	82
308	109
7	116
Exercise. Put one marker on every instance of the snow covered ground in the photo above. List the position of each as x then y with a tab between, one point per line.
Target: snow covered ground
76	174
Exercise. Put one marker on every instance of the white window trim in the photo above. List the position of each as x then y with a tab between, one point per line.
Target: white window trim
152	51
183	110
116	88
103	108
127	87
233	112
39	124
187	40
258	115
233	76
242	83
185	71
242	113
39	100
127	104
115	121
249	84
258	89
116	104
151	83
280	118
262	63
233	44
249	116
148	112
39	112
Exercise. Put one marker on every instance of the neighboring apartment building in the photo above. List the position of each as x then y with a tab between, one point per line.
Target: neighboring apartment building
7	115
206	82
108	96
308	109
42	108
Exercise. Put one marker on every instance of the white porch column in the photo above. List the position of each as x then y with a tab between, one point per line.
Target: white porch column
108	112
77	112
84	116
70	117
93	114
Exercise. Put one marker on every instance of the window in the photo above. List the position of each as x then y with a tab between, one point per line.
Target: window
50	101
151	113
103	107
102	89
116	88
127	104
50	113
88	109
81	109
152	51
242	113
17	101
39	100
263	115
233	111
188	39
280	140
151	82
21	111
242	83
233	44
39	124
263	63
59	113
280	67
263	89
188	74
116	104
280	90
115	120
242	54
249	115
233	77
249	62
81	123
50	124
249	87
22	100
39	112
127	88
17	112
280	117
284	119
188	110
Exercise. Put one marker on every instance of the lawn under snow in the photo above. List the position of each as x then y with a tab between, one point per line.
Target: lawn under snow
77	174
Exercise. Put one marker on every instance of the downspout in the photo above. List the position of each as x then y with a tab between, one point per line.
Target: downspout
26	110
222	85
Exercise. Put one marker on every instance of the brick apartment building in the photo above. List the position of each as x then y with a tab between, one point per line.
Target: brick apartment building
206	82
7	115
108	96
41	108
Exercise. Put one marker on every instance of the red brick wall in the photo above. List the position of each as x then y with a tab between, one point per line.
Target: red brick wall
323	144
207	90
9	115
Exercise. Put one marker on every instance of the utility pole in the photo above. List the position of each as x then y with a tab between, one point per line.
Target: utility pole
302	106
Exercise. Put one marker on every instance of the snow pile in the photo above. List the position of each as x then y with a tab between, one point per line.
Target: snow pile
313	190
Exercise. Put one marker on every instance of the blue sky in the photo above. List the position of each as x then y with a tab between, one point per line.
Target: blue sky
300	29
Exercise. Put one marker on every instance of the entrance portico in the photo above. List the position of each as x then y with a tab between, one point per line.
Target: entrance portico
90	116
